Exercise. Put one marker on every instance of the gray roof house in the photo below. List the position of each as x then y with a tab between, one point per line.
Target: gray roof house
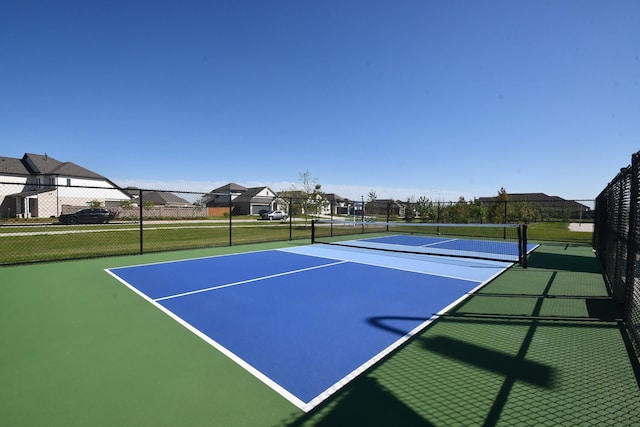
385	207
245	201
38	185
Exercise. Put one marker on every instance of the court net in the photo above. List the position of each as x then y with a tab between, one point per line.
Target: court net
500	242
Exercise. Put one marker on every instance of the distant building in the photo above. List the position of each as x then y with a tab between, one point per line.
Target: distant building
385	207
157	198
540	199
245	201
549	206
38	186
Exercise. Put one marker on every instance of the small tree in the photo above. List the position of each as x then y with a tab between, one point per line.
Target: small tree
370	206
427	209
459	212
311	196
498	211
410	210
476	212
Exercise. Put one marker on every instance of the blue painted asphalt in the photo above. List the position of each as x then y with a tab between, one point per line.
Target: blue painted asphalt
305	317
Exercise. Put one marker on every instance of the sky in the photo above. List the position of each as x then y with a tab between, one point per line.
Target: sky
405	99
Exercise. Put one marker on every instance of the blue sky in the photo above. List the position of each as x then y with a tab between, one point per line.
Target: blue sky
441	99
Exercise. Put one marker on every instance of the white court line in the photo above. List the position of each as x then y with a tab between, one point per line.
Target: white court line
242	282
329	254
215	344
438	243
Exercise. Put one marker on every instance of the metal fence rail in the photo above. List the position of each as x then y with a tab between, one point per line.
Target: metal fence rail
35	226
616	239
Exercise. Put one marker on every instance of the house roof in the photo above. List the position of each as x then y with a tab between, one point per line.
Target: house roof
163	198
526	197
231	187
332	197
250	194
41	164
540	198
384	203
11	166
30	193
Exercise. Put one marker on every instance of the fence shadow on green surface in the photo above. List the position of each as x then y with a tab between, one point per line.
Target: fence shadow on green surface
564	261
410	399
364	402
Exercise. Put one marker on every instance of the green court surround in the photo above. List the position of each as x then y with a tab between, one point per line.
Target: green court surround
541	346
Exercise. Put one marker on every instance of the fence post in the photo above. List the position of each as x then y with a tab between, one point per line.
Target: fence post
388	213
140	207
230	221
290	221
632	248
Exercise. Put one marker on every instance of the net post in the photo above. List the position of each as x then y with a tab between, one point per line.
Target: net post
141	203
523	245
520	244
313	231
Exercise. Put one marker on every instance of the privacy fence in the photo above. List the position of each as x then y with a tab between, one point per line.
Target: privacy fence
616	239
44	222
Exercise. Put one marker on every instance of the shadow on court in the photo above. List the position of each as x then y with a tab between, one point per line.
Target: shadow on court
563	260
365	402
439	377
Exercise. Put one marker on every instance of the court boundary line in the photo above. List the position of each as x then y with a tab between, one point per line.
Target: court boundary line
341	383
243	282
187	259
216	345
395	345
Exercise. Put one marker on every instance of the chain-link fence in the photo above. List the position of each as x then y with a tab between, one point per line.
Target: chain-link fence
53	222
45	221
617	239
494	211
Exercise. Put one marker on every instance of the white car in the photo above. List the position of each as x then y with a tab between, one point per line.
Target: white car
276	215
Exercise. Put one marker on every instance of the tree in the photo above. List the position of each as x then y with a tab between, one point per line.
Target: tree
371	203
498	211
458	213
410	210
310	198
427	209
476	212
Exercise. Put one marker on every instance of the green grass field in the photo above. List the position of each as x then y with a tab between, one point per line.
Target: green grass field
47	242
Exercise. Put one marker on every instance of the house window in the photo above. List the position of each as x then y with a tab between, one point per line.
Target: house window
68	182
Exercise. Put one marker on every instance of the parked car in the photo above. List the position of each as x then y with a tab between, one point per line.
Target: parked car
275	215
87	216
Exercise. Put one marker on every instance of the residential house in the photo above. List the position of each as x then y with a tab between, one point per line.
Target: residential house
38	185
337	205
245	201
254	200
389	207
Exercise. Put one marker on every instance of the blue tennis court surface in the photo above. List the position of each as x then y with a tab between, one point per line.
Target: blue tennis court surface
306	320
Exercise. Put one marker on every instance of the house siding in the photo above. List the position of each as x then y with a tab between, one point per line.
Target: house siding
25	191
